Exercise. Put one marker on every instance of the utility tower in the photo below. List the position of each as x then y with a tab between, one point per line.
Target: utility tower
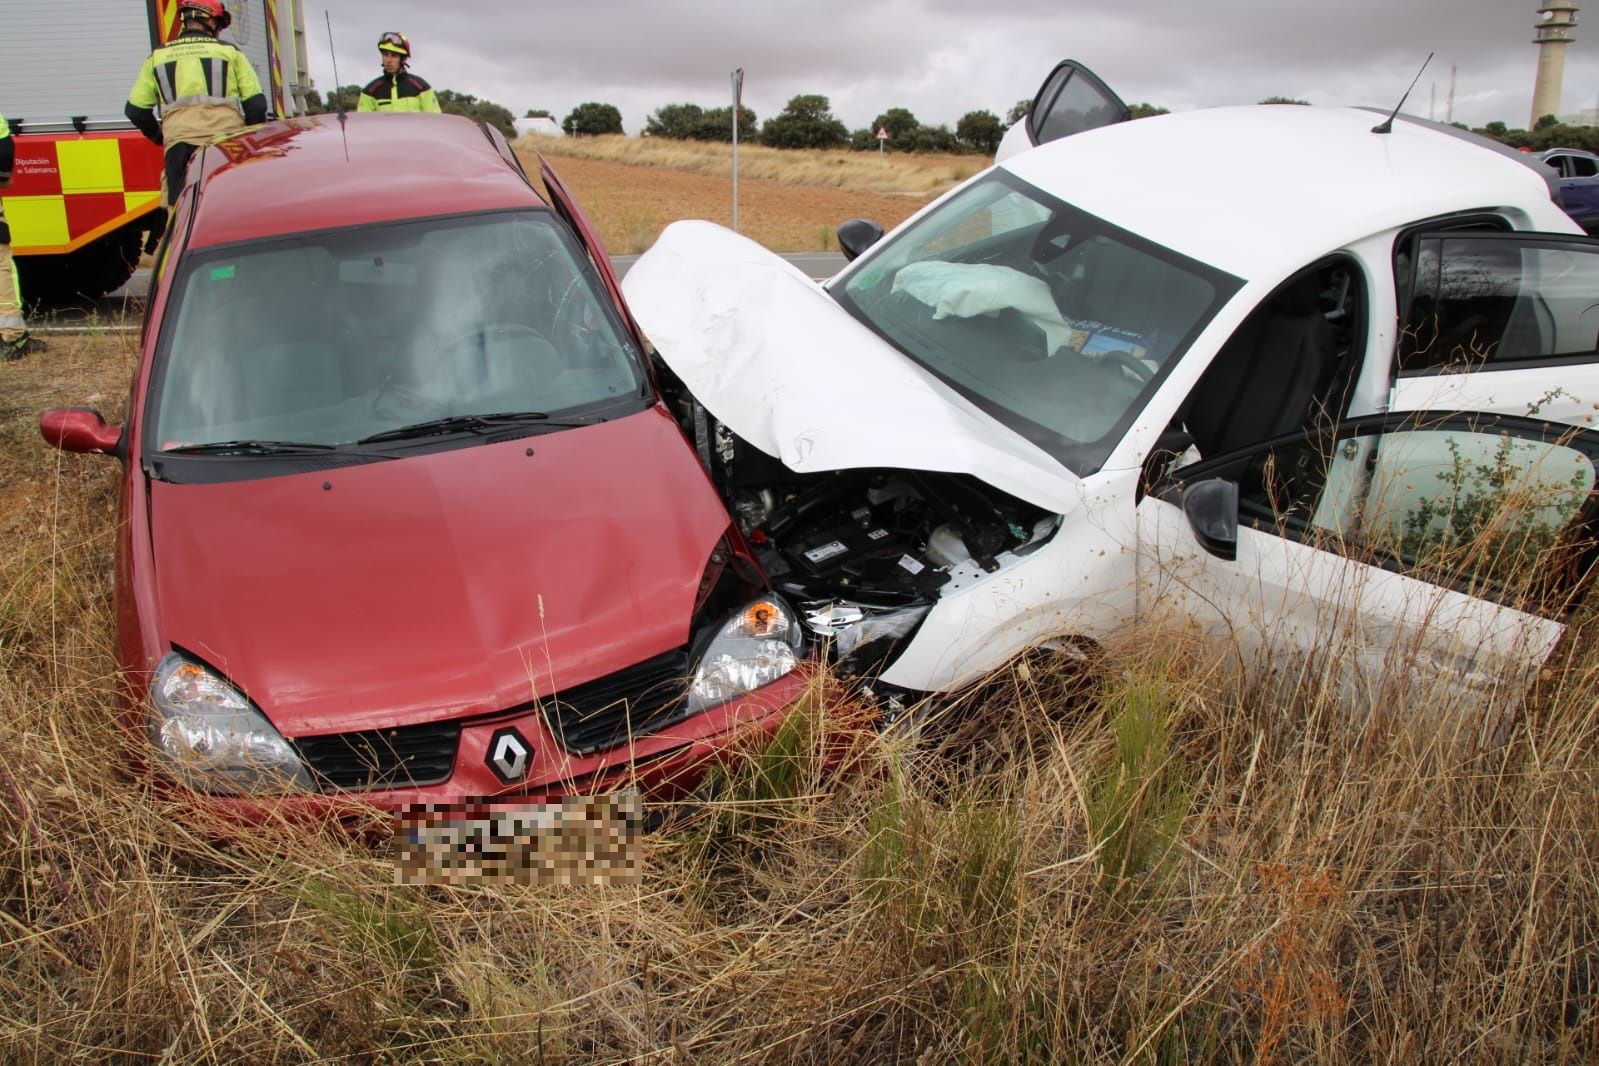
1557	21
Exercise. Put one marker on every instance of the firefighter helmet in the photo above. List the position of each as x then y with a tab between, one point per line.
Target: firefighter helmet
395	42
215	10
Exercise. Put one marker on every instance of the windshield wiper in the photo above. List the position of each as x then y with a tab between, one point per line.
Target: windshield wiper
251	447
480	424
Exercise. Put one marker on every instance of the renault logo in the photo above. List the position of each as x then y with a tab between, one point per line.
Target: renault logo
509	754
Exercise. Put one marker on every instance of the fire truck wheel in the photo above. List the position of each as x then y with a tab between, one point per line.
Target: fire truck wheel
86	274
107	264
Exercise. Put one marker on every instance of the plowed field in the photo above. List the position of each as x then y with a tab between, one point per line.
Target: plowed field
631	204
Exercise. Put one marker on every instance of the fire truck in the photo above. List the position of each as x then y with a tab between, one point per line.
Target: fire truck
85	195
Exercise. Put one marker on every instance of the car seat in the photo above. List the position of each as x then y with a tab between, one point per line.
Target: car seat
1265	379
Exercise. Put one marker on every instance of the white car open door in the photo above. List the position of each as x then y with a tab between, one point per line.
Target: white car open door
1440	553
1071	100
1504	322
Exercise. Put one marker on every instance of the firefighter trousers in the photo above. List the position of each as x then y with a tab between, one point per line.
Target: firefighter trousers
13	330
177	158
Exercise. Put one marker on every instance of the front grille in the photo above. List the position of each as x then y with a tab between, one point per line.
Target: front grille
629	703
383	758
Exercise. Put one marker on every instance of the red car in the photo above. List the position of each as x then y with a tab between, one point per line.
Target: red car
403	513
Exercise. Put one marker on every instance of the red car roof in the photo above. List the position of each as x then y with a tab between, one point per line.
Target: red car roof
317	173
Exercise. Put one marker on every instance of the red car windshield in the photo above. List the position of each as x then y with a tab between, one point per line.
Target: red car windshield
332	338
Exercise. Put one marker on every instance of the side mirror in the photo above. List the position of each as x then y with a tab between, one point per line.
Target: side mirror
1169	446
857	235
1212	509
79	429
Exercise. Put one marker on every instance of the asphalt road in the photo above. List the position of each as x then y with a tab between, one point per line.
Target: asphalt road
121	309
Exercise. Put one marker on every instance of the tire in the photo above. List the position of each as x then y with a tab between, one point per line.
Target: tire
86	274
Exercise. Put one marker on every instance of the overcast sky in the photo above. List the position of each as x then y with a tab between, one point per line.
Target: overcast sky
943	58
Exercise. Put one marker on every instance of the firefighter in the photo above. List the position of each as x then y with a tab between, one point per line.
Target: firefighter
397	89
14	340
206	90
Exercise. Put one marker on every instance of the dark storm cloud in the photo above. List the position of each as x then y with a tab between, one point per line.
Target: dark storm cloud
942	58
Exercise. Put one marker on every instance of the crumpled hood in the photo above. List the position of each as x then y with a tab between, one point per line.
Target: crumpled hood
430	586
773	357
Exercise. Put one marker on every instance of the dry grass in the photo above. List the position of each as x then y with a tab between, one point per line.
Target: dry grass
1166	864
632	197
896	174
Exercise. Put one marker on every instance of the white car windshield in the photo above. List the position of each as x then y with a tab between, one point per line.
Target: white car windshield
1053	321
333	338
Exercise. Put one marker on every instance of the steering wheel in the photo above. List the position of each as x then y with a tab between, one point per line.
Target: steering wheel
567	321
480	333
1139	369
404	401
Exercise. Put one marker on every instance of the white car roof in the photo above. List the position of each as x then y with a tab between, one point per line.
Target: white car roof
1258	191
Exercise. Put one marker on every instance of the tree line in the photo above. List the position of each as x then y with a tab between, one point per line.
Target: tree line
450	102
1547	132
808	122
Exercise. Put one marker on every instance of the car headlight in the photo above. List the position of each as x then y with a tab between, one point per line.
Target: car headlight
864	638
887	627
209	737
759	644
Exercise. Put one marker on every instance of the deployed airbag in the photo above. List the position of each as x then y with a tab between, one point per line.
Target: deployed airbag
966	290
788	370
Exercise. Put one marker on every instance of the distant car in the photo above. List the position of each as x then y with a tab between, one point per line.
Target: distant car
402	516
1075	389
1579	183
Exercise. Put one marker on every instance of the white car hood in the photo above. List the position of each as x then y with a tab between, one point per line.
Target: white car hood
782	365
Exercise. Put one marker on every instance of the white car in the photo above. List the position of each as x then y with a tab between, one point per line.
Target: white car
1286	378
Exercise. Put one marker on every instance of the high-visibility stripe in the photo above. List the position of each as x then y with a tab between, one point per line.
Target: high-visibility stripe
169	20
165	75
280	103
195	69
10	299
205	101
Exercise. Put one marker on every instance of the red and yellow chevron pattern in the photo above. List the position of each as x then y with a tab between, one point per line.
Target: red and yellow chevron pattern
280	103
167	19
70	189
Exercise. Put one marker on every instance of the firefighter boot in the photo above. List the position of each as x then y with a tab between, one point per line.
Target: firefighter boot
18	347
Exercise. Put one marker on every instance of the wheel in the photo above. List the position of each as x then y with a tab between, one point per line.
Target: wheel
89	273
44	282
471	337
1137	368
112	262
572	326
489	373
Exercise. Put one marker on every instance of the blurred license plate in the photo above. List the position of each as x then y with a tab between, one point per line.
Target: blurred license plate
580	840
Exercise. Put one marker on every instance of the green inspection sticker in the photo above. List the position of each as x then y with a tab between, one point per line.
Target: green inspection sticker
222	273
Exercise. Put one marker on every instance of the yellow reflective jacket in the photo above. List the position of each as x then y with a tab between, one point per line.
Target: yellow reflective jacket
203	86
403	91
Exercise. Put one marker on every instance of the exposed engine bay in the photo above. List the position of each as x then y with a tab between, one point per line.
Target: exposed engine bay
863	554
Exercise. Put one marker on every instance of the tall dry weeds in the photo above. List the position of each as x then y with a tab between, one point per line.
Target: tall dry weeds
1146	857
